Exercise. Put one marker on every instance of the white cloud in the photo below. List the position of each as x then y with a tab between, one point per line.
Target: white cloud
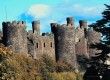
39	10
87	11
58	13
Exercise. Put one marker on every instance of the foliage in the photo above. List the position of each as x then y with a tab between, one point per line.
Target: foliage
17	67
51	70
48	62
63	67
82	61
21	67
4	52
63	76
46	66
102	26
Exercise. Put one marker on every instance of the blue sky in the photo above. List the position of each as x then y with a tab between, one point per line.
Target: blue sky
47	11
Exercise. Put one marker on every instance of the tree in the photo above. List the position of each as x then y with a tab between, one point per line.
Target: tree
102	26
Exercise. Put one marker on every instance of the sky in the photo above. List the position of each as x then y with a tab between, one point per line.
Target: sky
48	11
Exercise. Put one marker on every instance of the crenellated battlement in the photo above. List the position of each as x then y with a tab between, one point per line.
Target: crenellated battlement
54	25
14	36
64	41
64	25
14	24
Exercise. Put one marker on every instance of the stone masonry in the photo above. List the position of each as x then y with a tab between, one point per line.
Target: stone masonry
64	42
15	36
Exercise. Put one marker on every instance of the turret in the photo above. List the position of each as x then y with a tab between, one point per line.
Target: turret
70	21
36	27
93	38
83	23
53	25
64	42
14	36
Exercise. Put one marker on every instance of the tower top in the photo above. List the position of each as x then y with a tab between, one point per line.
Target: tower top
83	23
36	22
70	20
14	23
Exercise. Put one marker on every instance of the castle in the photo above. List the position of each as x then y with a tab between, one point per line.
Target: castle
64	42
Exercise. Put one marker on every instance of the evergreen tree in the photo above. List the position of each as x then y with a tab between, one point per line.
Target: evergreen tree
102	26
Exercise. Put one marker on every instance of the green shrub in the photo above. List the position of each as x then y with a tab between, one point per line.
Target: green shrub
63	67
63	76
19	67
46	66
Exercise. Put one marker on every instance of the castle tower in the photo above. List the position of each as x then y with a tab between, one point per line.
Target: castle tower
81	39
36	27
53	25
64	43
15	36
93	38
70	21
83	23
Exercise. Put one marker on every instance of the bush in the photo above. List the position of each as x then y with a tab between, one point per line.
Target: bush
48	62
17	67
63	67
46	66
63	76
21	67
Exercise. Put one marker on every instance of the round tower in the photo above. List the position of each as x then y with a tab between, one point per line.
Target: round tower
15	36
36	27
64	43
53	25
93	38
70	21
83	24
5	32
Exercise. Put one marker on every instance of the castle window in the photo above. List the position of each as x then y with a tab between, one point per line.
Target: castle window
51	44
37	45
79	40
44	44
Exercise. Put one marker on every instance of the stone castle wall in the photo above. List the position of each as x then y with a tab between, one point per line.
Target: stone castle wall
48	46
63	43
80	39
39	45
81	47
93	37
15	36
